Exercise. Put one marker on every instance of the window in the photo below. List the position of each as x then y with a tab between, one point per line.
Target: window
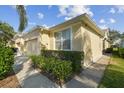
63	40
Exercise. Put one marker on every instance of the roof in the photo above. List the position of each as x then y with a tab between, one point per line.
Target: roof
81	18
85	18
36	28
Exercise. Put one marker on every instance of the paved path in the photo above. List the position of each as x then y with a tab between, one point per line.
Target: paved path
29	77
90	77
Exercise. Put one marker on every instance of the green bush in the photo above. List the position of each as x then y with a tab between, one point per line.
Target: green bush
62	69
59	68
6	60
38	61
74	56
109	50
121	52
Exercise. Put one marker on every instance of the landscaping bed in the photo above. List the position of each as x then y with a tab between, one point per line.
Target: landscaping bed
10	81
58	66
7	75
53	78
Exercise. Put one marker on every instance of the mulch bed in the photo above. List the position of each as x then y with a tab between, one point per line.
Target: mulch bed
10	81
53	78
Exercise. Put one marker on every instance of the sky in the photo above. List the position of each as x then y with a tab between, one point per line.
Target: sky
105	16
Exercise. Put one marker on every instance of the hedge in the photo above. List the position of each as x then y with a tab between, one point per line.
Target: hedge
74	56
6	60
109	50
59	68
121	52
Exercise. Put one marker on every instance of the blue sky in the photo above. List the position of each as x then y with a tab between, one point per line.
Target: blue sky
104	15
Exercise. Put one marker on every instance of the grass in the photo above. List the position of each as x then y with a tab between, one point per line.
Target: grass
114	73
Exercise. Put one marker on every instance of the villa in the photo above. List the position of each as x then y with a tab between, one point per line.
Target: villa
77	34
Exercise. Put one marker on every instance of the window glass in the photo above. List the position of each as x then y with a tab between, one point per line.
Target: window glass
63	39
66	39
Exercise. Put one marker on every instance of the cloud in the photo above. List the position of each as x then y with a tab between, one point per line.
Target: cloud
67	18
120	8
31	23
103	26
72	11
13	6
46	26
40	15
112	20
112	10
117	9
102	21
49	6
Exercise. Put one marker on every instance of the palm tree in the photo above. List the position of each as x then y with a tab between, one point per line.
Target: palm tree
7	31
22	17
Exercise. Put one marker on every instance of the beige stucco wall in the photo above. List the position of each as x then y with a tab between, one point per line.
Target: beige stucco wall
51	43
83	39
92	45
45	40
19	43
107	45
76	37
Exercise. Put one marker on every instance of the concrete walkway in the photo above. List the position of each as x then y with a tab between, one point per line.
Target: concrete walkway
90	77
29	77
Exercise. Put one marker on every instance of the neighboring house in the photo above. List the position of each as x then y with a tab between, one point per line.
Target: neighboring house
122	43
19	42
77	34
106	40
119	42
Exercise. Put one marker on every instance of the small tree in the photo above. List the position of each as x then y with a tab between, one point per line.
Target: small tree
6	31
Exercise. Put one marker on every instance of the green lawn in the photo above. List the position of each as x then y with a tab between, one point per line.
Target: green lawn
114	74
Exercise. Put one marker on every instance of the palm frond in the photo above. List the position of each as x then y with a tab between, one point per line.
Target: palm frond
22	17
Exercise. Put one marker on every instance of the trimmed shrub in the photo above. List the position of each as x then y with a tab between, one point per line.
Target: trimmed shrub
109	50
121	52
62	69
38	61
59	68
6	60
74	56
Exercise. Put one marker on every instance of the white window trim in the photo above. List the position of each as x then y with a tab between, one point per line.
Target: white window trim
70	27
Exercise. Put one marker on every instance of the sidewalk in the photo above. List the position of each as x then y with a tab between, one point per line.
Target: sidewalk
90	77
29	77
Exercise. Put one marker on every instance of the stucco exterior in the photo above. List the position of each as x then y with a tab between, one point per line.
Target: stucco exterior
85	36
122	43
84	39
106	41
92	44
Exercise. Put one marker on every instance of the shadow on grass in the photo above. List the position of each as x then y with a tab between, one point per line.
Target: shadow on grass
113	75
113	79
